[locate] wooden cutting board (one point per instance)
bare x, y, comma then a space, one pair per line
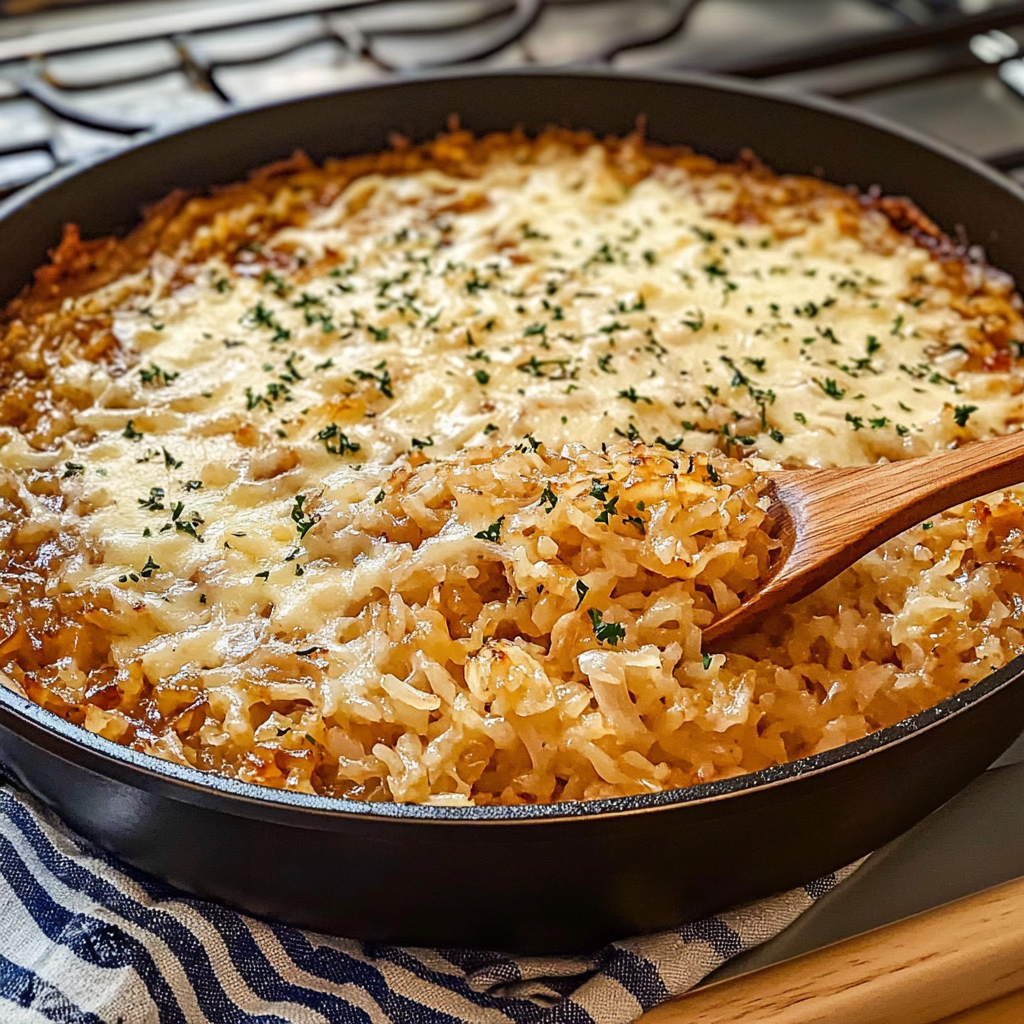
962, 963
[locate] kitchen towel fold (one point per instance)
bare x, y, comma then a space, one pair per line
86, 940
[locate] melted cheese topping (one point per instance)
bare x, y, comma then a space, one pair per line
550, 298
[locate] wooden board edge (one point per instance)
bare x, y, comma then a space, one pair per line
916, 971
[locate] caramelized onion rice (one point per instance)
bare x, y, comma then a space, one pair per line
416, 476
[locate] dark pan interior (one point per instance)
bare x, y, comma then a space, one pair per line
553, 878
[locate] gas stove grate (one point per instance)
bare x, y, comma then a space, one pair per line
71, 92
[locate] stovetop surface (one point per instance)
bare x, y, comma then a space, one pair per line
77, 81
82, 79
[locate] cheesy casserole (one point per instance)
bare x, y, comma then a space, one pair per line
415, 476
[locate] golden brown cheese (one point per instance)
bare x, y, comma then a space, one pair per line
177, 407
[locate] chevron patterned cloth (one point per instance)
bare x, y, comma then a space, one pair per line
86, 940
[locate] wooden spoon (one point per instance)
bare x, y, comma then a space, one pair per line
828, 518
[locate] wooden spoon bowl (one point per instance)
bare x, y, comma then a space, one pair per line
828, 518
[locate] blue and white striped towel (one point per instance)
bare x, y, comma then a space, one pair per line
86, 940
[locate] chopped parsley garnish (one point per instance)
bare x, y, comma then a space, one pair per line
281, 286
73, 469
672, 446
131, 433
581, 591
548, 499
379, 497
427, 442
382, 379
605, 632
538, 367
831, 388
155, 500
302, 521
335, 441
193, 485
694, 321
493, 532
482, 376
260, 316
630, 394
607, 510
291, 374
476, 283
190, 525
149, 568
157, 375
265, 575
962, 413
170, 461
252, 400
325, 320
706, 661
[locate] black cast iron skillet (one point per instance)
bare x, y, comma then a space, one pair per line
551, 878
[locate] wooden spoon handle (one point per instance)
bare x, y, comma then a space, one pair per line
827, 519
864, 506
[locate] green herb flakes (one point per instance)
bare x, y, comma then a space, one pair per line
336, 441
962, 413
605, 632
493, 532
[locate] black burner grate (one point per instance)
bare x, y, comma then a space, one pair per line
71, 91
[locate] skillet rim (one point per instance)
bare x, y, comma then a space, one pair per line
194, 786
249, 800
